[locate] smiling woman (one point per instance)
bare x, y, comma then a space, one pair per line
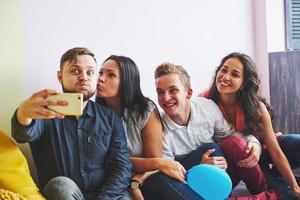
235, 89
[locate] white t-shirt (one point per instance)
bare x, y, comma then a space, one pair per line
205, 125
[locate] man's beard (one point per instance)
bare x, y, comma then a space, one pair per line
85, 96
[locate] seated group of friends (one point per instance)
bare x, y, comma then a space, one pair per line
122, 147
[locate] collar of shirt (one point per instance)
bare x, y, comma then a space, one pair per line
89, 110
173, 125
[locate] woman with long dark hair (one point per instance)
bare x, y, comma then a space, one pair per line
118, 88
235, 89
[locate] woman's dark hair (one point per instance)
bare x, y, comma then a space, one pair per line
248, 95
131, 94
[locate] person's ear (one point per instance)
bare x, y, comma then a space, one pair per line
189, 93
59, 76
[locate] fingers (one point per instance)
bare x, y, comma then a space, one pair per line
179, 172
219, 161
37, 106
175, 170
45, 93
181, 178
248, 148
55, 103
208, 152
183, 171
46, 113
216, 160
248, 162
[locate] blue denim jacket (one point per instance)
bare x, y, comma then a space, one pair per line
91, 150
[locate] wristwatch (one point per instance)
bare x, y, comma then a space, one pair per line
135, 184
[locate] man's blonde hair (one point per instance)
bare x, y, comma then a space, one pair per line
170, 68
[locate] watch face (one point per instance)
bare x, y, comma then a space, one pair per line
134, 185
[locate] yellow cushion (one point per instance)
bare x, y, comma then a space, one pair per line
15, 174
8, 195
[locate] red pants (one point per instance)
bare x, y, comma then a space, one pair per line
233, 148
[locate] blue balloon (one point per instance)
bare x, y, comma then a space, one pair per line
210, 182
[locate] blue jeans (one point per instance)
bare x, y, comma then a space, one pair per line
162, 187
62, 188
290, 145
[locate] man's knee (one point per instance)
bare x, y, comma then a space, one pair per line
218, 150
62, 188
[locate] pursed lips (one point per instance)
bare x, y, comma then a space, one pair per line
100, 87
83, 85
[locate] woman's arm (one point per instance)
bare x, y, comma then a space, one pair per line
152, 136
275, 151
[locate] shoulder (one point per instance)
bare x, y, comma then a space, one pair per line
99, 107
150, 105
102, 111
204, 94
149, 108
263, 110
139, 119
201, 107
201, 102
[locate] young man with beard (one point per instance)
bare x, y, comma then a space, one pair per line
77, 157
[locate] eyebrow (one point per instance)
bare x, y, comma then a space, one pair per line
77, 66
171, 87
235, 70
238, 71
108, 70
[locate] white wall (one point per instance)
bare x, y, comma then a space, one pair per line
195, 34
261, 45
12, 78
269, 36
275, 25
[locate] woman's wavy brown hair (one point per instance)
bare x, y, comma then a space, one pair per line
248, 95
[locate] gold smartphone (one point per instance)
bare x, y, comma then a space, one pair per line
75, 103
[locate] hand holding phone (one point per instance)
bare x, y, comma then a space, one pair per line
74, 106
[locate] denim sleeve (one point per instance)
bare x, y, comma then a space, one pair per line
118, 164
24, 134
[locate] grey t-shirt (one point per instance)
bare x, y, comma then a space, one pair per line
133, 126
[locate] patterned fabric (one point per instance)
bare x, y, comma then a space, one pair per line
8, 195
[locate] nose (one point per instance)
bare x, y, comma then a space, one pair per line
101, 78
166, 96
83, 76
226, 76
